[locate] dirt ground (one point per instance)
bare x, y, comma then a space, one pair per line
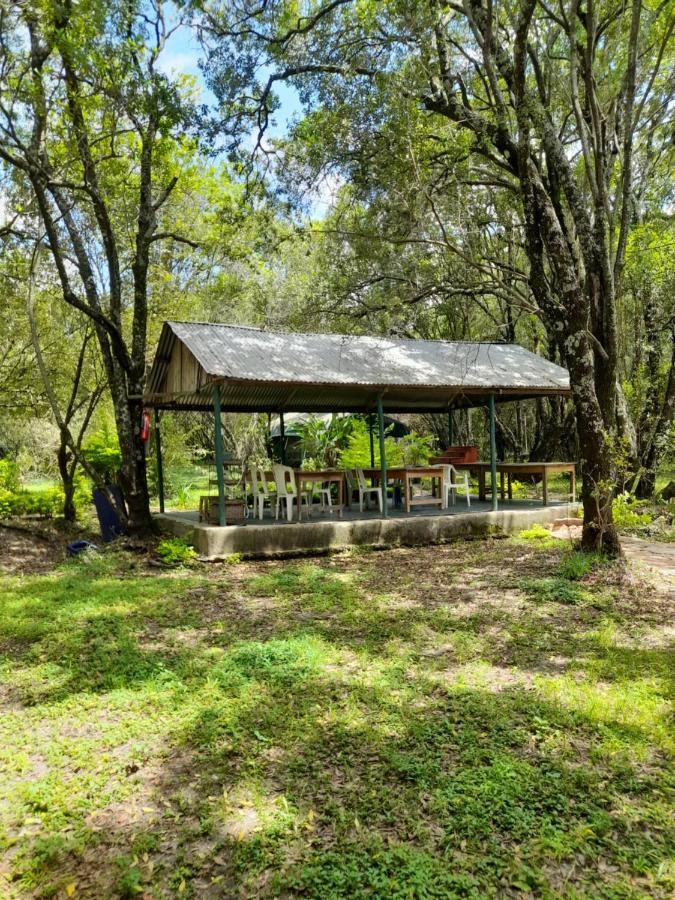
24, 551
32, 550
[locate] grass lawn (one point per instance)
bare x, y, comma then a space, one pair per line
479, 719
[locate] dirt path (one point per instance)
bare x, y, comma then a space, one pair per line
658, 557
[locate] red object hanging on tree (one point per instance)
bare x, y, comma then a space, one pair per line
145, 425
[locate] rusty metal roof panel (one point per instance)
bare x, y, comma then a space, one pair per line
254, 355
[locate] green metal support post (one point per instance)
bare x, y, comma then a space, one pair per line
219, 455
282, 433
383, 456
451, 430
493, 450
160, 466
372, 442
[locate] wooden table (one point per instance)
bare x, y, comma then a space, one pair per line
528, 468
321, 476
406, 475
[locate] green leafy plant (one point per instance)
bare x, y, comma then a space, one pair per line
555, 590
577, 564
183, 497
102, 452
518, 489
9, 475
356, 454
625, 512
44, 503
536, 533
324, 441
416, 448
175, 551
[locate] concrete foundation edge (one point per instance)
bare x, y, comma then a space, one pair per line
256, 541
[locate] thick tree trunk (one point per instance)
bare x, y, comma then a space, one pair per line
133, 472
599, 533
646, 485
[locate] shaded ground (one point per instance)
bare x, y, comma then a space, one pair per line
479, 719
23, 551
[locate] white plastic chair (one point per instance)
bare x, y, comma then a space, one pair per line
325, 498
365, 490
351, 485
284, 478
260, 491
451, 485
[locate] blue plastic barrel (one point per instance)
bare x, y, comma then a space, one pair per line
111, 527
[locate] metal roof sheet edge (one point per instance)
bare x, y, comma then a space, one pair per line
384, 337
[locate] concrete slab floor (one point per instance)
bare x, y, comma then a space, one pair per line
424, 525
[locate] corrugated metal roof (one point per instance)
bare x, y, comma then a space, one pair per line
228, 351
289, 370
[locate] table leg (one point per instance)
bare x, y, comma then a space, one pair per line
501, 485
407, 488
573, 485
340, 495
510, 486
481, 484
545, 486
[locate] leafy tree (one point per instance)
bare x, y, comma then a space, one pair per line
555, 100
91, 131
649, 345
70, 380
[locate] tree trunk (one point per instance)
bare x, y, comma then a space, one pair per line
599, 533
133, 471
646, 485
67, 474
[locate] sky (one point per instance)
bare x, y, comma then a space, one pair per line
182, 55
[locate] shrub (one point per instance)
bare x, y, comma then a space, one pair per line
46, 503
175, 551
9, 475
518, 489
356, 454
102, 452
625, 514
536, 533
416, 448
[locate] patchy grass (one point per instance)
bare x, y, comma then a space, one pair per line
482, 719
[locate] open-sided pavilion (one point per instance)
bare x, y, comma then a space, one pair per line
229, 368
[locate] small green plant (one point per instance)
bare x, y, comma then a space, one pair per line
518, 489
234, 559
130, 879
183, 498
536, 533
175, 551
625, 514
576, 565
555, 590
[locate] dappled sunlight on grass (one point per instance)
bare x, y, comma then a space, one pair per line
459, 721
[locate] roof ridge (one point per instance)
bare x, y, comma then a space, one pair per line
341, 334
